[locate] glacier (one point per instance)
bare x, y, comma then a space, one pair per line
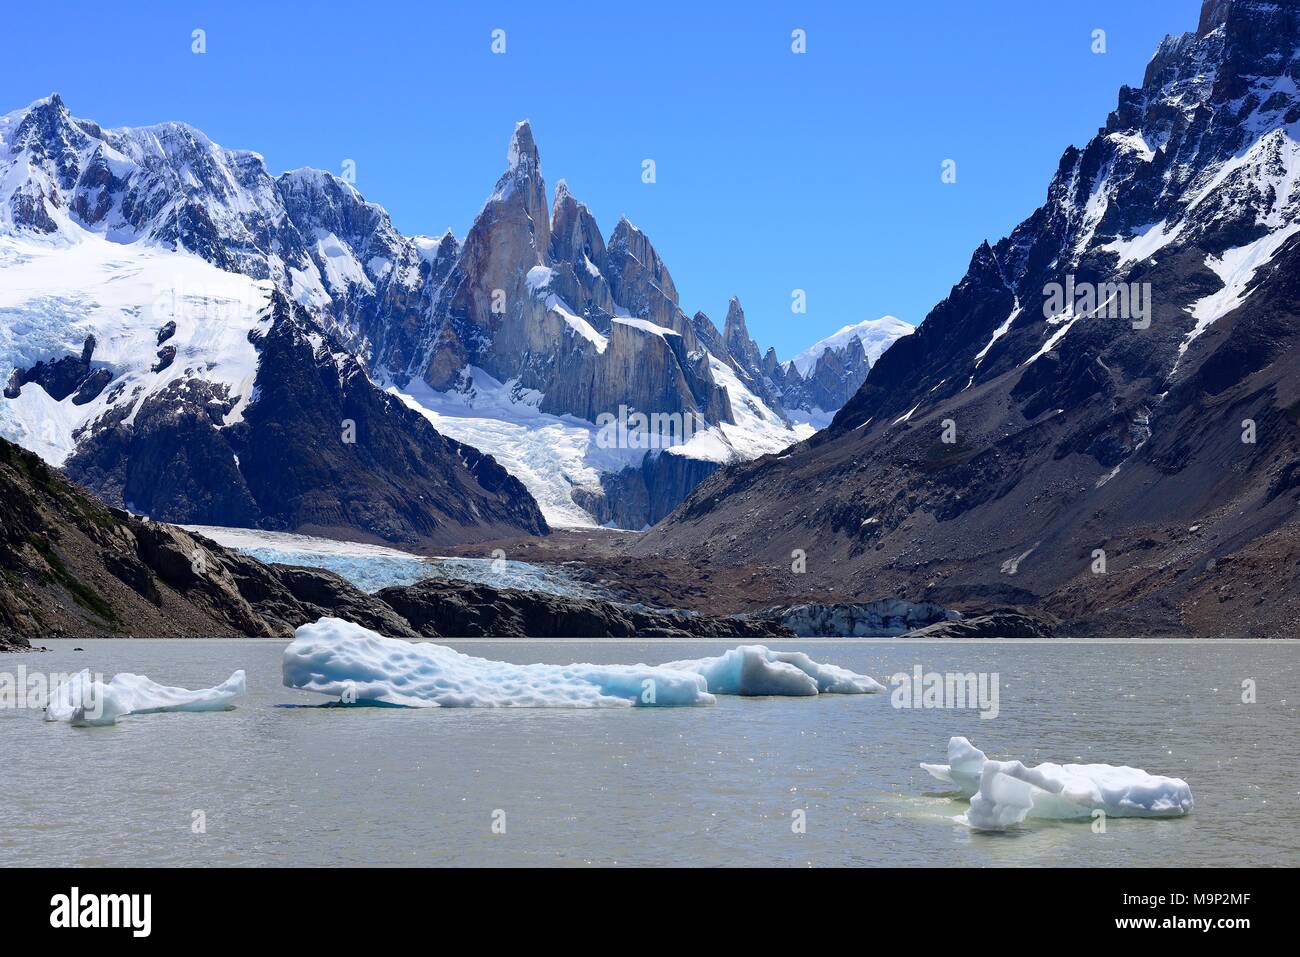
1003, 793
372, 567
54, 296
86, 701
754, 670
336, 657
552, 454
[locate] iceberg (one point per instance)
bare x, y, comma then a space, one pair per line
85, 701
757, 670
337, 657
1003, 793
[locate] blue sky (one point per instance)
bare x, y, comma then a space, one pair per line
775, 171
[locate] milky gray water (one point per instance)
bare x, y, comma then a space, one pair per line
701, 786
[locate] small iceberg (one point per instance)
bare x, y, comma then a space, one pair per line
336, 657
85, 701
757, 670
1003, 793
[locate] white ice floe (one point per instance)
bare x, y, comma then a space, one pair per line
1003, 793
756, 670
84, 700
336, 657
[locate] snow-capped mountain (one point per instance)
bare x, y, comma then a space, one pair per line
138, 263
1113, 386
542, 327
155, 355
819, 380
874, 335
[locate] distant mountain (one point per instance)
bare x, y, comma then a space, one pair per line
1102, 417
874, 335
139, 266
827, 374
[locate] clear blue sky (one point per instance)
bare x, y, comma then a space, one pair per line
775, 171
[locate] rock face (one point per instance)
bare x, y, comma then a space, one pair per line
641, 495
587, 327
12, 642
995, 625
319, 448
72, 567
1100, 420
438, 609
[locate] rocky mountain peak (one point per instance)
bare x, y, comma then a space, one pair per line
522, 182
737, 337
521, 156
639, 262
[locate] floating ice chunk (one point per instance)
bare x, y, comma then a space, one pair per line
336, 657
757, 670
965, 762
83, 700
1003, 793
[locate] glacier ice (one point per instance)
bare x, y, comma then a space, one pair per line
84, 700
55, 293
372, 567
337, 657
757, 670
551, 454
1003, 793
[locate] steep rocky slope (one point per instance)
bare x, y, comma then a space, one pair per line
72, 567
1101, 418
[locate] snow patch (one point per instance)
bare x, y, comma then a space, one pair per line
999, 332
1236, 269
578, 324
1144, 243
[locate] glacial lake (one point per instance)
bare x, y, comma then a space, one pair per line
284, 785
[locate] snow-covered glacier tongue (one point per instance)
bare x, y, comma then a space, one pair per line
336, 657
1003, 793
86, 701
